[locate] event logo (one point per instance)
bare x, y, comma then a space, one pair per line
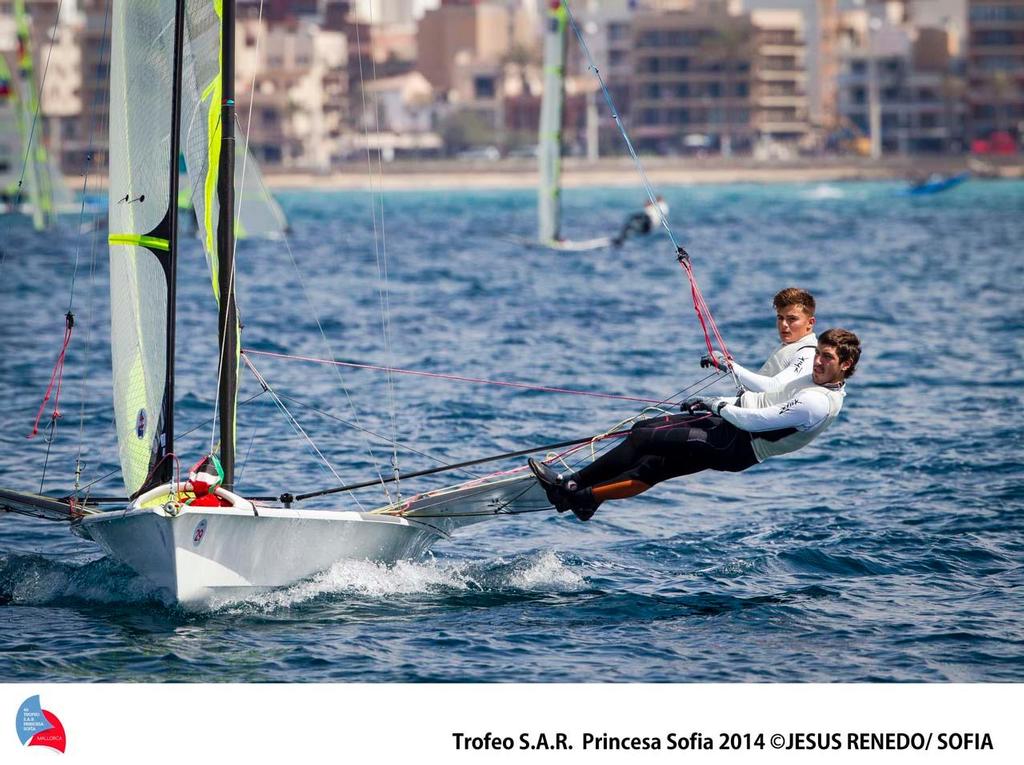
39, 727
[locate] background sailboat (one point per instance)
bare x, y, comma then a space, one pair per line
549, 154
29, 180
258, 213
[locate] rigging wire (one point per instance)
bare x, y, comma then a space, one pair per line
91, 304
700, 306
302, 282
370, 432
295, 424
56, 377
622, 129
574, 444
380, 251
305, 289
457, 378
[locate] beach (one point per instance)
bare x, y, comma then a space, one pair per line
621, 172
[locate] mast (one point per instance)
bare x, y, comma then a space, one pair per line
228, 317
166, 472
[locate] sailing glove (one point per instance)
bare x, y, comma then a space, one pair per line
714, 359
696, 404
699, 404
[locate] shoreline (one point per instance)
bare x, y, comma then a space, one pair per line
622, 173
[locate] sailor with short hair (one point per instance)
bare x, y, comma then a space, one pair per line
794, 319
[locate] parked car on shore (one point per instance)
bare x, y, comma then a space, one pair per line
488, 153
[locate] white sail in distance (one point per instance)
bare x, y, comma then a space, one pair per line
10, 135
258, 213
39, 174
549, 152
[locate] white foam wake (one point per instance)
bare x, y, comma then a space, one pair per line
543, 571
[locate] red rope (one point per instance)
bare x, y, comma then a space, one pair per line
56, 377
703, 312
458, 378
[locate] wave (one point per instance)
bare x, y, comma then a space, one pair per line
38, 580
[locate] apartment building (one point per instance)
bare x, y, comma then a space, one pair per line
780, 77
995, 68
292, 79
917, 85
693, 79
466, 33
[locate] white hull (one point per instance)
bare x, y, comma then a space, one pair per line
207, 554
562, 245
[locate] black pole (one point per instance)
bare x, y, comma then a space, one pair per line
166, 470
444, 468
228, 318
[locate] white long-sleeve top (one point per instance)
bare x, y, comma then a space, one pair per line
656, 212
787, 363
788, 418
784, 353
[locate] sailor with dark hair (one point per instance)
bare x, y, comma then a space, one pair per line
729, 434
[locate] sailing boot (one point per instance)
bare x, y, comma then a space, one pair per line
583, 503
553, 483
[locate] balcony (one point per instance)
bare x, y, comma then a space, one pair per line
796, 50
781, 101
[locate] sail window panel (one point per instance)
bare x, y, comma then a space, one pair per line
138, 339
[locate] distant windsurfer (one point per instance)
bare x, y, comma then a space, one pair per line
728, 434
643, 222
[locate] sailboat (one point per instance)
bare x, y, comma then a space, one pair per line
935, 183
29, 181
200, 540
549, 151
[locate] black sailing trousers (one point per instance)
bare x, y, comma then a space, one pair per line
671, 446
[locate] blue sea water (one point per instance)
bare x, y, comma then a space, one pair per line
889, 550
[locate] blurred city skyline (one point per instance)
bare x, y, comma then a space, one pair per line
327, 80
